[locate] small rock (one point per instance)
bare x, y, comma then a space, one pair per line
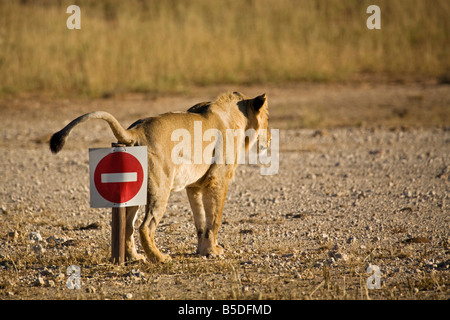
136, 273
399, 269
336, 255
318, 264
341, 256
39, 248
408, 194
35, 236
70, 242
128, 296
13, 235
90, 289
444, 264
320, 133
375, 152
56, 240
376, 239
406, 210
443, 173
47, 272
351, 239
311, 176
416, 240
50, 283
39, 282
60, 277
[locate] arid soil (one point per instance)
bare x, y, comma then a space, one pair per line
363, 180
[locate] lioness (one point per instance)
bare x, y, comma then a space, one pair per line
206, 183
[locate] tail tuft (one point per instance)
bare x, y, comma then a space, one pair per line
57, 142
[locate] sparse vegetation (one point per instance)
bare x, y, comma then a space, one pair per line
308, 235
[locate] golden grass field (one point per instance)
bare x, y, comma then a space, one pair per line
170, 46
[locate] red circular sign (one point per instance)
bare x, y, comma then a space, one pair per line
118, 177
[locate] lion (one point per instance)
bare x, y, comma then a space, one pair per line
206, 183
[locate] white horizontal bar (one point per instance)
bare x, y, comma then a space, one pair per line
119, 177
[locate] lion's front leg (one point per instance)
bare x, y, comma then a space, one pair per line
213, 202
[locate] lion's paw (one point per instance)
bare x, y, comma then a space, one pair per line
215, 250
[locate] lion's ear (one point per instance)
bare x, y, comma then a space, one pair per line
259, 102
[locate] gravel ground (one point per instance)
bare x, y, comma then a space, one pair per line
343, 199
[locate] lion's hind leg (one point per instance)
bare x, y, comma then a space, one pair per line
196, 201
130, 246
154, 211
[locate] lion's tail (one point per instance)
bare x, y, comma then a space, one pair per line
59, 138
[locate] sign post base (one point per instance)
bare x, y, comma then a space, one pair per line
118, 225
118, 235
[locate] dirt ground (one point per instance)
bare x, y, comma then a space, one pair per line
363, 180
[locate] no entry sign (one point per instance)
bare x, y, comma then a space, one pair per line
118, 176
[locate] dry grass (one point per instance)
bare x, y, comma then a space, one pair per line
143, 46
